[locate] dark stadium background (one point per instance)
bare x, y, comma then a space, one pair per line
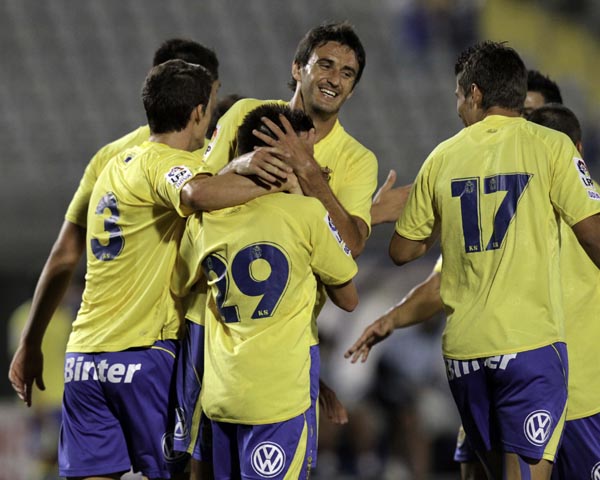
71, 73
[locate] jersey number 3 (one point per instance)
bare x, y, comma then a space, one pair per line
270, 288
112, 249
468, 190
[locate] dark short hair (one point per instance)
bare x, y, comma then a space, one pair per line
498, 72
558, 117
222, 106
189, 51
246, 140
537, 82
170, 93
341, 32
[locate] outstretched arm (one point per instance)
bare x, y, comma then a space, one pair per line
28, 363
420, 304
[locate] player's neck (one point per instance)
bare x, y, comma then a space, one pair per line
324, 122
180, 140
505, 112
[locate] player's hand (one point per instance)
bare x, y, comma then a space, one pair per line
263, 162
333, 409
298, 148
376, 332
292, 185
26, 368
388, 202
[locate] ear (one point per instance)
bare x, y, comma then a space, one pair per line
296, 71
198, 113
579, 146
476, 95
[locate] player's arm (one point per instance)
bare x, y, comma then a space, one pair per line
331, 406
344, 296
27, 363
402, 250
262, 162
205, 192
297, 152
420, 304
587, 232
389, 201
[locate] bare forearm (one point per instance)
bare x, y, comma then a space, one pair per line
419, 305
354, 231
204, 193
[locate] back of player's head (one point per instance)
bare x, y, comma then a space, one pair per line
537, 82
189, 51
498, 72
558, 117
170, 93
340, 32
246, 140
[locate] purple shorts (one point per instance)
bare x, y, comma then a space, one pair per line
464, 453
118, 412
312, 414
579, 454
273, 450
192, 428
514, 402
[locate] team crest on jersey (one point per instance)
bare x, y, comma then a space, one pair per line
178, 175
537, 427
268, 459
333, 229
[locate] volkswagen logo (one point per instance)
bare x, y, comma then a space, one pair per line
268, 459
167, 447
596, 472
537, 427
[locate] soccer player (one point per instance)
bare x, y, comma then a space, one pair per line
540, 90
501, 284
259, 362
121, 353
327, 66
424, 301
27, 363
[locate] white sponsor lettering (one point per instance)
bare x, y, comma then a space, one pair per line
537, 427
458, 368
336, 234
268, 459
76, 370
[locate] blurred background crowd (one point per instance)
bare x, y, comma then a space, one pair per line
70, 82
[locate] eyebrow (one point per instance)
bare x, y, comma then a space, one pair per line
330, 61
